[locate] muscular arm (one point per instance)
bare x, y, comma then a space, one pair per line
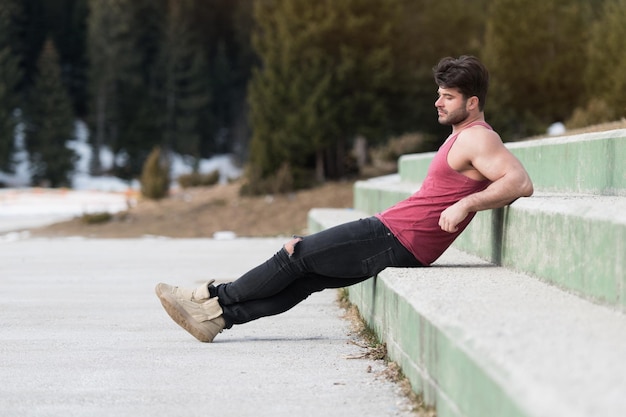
483, 155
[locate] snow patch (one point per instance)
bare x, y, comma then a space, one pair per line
23, 207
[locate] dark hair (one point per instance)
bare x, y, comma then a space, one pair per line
467, 74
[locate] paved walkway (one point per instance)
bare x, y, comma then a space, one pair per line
82, 334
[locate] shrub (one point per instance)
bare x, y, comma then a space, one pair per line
155, 177
405, 144
196, 179
596, 112
96, 218
283, 181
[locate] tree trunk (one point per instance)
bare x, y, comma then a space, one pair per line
319, 166
340, 162
95, 163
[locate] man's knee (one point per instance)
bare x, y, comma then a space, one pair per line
290, 246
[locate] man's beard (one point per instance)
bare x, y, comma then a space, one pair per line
454, 118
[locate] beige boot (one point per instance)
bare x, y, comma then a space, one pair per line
202, 319
199, 295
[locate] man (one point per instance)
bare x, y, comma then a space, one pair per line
472, 171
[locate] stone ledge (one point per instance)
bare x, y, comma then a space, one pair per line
576, 241
480, 340
590, 163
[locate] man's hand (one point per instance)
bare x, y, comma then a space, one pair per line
452, 216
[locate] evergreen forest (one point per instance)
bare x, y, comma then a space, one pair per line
289, 85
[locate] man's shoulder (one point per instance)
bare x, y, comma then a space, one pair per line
478, 133
478, 141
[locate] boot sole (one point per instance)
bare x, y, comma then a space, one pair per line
184, 319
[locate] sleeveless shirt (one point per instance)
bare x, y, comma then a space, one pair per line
415, 220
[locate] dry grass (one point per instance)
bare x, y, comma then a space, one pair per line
372, 349
203, 211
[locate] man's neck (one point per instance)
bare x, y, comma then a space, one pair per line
479, 117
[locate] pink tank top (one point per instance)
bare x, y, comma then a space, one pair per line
415, 221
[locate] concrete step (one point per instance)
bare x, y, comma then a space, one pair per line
481, 340
592, 163
577, 242
376, 194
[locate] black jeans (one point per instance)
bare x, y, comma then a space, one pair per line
334, 258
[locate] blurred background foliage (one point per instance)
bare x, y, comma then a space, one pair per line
289, 85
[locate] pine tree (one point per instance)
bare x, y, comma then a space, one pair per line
605, 74
421, 44
329, 72
368, 73
222, 30
153, 68
10, 77
186, 87
121, 49
223, 81
106, 29
65, 21
50, 123
533, 51
230, 106
277, 88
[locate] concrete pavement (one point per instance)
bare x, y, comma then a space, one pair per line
82, 334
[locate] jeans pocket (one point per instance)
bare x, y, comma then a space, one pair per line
374, 264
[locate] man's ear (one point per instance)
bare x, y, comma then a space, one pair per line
472, 103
